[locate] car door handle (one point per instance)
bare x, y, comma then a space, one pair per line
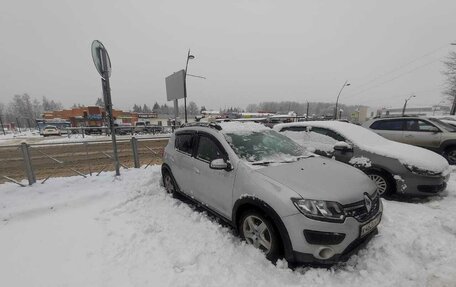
197, 171
409, 136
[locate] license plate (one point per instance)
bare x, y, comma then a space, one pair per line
368, 227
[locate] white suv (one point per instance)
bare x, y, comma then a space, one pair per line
281, 199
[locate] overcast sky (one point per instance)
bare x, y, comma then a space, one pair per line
250, 51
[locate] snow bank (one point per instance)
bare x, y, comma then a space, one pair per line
102, 231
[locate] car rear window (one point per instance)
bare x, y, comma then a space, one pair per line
184, 143
389, 125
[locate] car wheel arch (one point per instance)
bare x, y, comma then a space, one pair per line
250, 202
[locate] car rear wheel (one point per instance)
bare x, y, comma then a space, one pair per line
382, 181
169, 183
258, 230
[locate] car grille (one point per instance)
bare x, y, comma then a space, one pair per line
359, 211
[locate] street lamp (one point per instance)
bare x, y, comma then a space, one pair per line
346, 84
189, 57
405, 104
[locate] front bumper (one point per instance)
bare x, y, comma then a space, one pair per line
420, 185
305, 252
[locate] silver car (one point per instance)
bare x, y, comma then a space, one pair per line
281, 199
394, 167
430, 133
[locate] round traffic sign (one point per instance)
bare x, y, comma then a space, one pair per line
97, 50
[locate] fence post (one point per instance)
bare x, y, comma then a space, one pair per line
134, 148
28, 163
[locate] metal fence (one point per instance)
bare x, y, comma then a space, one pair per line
39, 162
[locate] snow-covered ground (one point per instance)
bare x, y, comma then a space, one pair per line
102, 231
36, 138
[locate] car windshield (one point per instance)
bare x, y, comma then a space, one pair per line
263, 147
446, 126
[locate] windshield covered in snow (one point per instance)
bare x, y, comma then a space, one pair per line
265, 146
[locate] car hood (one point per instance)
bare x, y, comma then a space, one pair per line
321, 179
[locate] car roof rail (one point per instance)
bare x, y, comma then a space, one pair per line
205, 125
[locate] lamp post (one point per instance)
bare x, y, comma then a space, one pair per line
405, 104
346, 84
189, 56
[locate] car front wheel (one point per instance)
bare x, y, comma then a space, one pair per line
257, 230
169, 183
382, 181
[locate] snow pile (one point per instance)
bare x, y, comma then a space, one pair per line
242, 127
372, 142
313, 141
360, 162
102, 231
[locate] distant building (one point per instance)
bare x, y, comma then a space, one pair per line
419, 111
92, 116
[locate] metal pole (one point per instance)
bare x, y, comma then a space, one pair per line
1, 124
134, 149
337, 101
108, 105
405, 105
185, 86
307, 112
28, 163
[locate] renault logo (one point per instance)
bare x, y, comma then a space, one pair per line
367, 202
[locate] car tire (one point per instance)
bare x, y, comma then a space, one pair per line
385, 186
169, 183
258, 230
450, 154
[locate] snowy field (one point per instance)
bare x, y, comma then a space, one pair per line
103, 231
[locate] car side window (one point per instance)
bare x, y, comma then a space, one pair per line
416, 125
208, 150
184, 143
388, 125
329, 133
294, 129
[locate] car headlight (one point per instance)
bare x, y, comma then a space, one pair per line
419, 171
320, 209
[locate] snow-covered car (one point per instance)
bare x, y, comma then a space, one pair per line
50, 131
394, 167
283, 200
430, 133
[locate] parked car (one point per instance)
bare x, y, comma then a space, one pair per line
394, 167
429, 133
50, 131
283, 200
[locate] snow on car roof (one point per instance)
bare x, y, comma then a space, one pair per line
242, 127
372, 142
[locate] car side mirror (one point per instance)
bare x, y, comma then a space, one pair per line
308, 129
343, 147
220, 163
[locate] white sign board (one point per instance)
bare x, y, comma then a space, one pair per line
175, 88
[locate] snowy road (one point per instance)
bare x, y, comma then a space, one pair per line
127, 232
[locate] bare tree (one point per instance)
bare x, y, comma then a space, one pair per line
192, 108
450, 83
